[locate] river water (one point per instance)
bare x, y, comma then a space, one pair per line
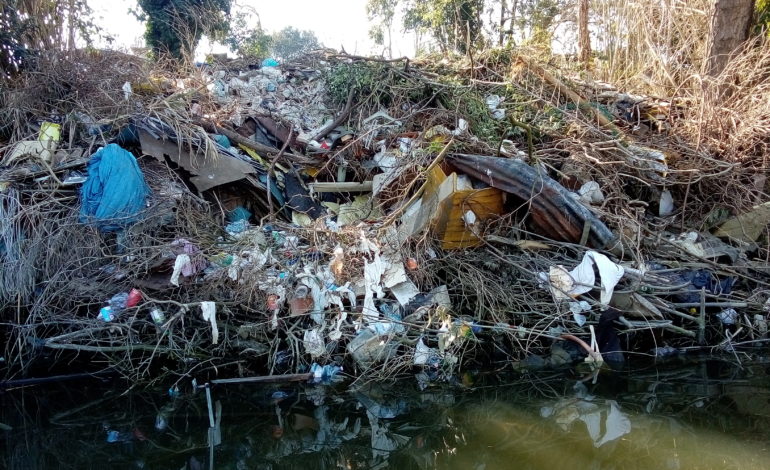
687, 414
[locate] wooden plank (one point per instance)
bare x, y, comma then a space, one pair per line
265, 379
344, 187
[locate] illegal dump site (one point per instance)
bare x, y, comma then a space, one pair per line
383, 218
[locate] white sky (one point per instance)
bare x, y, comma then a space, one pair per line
336, 23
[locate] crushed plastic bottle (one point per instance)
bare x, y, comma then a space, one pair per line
118, 302
106, 314
158, 317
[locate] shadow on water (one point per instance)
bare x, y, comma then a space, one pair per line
707, 414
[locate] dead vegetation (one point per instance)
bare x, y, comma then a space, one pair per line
290, 284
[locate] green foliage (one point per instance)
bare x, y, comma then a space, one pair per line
762, 17
31, 26
174, 27
290, 43
380, 85
248, 41
538, 17
363, 77
454, 24
473, 106
383, 10
13, 28
251, 41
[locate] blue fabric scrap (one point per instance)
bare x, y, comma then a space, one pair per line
115, 191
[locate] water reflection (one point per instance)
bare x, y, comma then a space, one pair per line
704, 415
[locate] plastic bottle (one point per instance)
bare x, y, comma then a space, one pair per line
106, 314
134, 297
158, 317
118, 301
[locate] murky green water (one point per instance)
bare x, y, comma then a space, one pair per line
697, 415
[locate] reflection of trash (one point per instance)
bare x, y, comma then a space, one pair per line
163, 416
209, 314
760, 324
665, 351
384, 441
604, 422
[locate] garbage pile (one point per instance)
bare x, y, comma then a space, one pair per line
385, 217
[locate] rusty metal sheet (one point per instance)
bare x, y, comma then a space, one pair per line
555, 213
278, 129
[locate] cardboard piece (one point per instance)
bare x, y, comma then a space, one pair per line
208, 171
447, 203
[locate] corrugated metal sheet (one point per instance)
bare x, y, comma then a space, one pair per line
555, 213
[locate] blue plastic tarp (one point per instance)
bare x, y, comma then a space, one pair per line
270, 62
115, 191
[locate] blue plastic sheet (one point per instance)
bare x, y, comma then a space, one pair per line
239, 213
115, 191
270, 62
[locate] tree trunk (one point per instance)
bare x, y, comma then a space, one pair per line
584, 38
503, 8
71, 25
730, 27
514, 7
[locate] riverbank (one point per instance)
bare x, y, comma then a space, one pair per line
382, 218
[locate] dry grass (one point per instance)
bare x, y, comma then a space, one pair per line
63, 271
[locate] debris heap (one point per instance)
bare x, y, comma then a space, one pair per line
382, 216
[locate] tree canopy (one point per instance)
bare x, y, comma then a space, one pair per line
456, 25
30, 26
174, 27
252, 41
290, 42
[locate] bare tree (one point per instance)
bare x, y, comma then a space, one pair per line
730, 27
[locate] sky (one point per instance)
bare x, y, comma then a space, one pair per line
336, 23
